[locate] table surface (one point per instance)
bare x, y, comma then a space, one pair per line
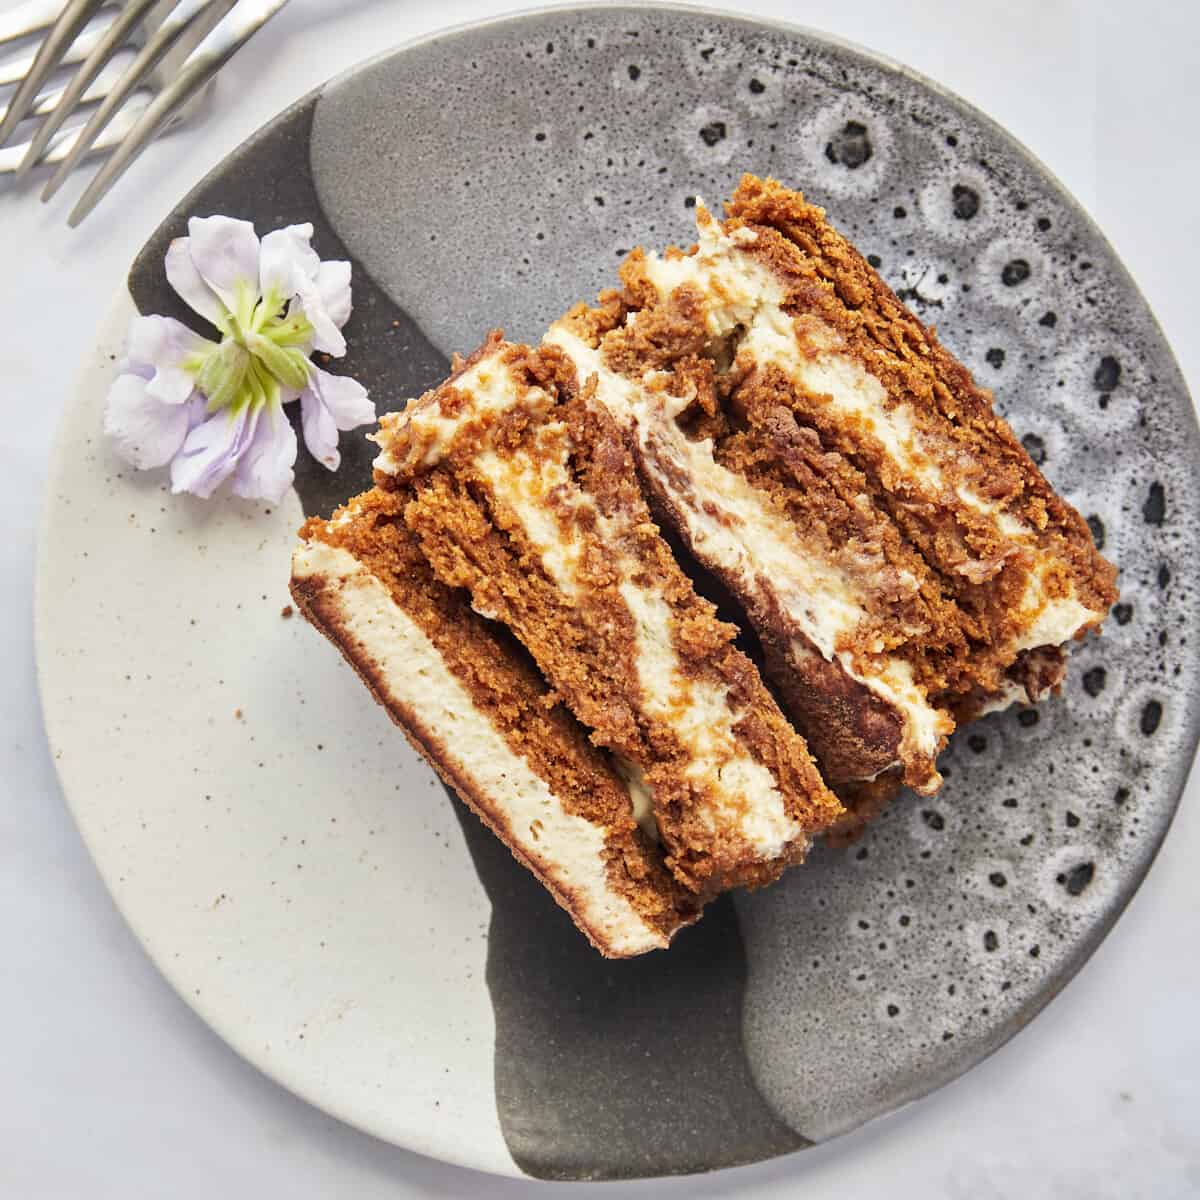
113, 1088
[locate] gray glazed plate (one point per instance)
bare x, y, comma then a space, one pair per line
301, 878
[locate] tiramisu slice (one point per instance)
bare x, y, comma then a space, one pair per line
474, 705
525, 495
902, 560
505, 592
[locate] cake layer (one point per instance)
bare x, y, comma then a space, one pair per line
901, 558
809, 586
879, 387
526, 495
476, 708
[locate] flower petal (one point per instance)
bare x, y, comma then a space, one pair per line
327, 337
197, 411
210, 452
286, 260
264, 472
346, 398
166, 346
330, 403
333, 283
225, 252
146, 432
320, 430
188, 283
332, 301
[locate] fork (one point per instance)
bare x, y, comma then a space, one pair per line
179, 46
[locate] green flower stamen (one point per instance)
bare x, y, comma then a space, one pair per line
264, 348
290, 367
223, 375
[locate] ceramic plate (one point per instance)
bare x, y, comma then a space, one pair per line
302, 878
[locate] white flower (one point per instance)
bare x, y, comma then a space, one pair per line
213, 410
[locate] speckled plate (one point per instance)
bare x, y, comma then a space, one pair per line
301, 877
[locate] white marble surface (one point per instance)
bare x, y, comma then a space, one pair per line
110, 1087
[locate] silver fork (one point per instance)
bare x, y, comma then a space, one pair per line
178, 47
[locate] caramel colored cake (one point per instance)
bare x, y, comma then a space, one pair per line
506, 591
471, 702
902, 560
526, 497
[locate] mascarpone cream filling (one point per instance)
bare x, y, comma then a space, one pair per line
492, 390
698, 710
739, 290
523, 484
733, 527
743, 790
569, 850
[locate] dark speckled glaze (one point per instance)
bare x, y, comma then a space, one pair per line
494, 175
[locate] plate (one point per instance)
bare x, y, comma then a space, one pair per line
303, 880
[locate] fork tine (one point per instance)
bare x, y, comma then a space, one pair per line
14, 69
95, 91
125, 120
147, 128
75, 16
164, 38
113, 37
233, 31
28, 18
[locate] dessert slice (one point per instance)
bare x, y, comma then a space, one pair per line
904, 563
525, 494
1019, 561
473, 704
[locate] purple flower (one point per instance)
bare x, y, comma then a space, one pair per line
213, 410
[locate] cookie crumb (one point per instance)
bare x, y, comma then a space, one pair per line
286, 611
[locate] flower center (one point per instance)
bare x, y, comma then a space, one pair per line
264, 348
